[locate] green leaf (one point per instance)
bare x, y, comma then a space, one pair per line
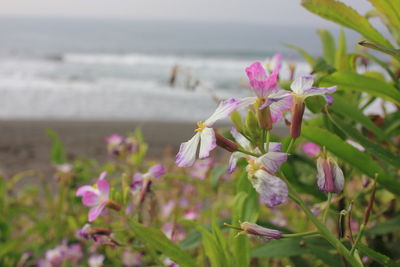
387, 50
342, 62
390, 9
304, 53
346, 16
370, 147
288, 247
341, 106
328, 45
358, 82
351, 155
57, 148
376, 256
160, 242
213, 249
385, 227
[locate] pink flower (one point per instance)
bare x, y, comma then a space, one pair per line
267, 94
205, 135
190, 214
260, 83
311, 149
114, 139
96, 196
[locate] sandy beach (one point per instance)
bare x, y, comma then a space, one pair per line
24, 145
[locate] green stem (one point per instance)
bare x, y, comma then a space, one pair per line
290, 145
301, 234
358, 238
267, 140
324, 231
263, 137
248, 153
328, 204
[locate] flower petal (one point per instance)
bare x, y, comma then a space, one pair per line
187, 152
90, 199
301, 84
338, 178
156, 171
96, 211
247, 101
240, 139
233, 160
273, 191
277, 107
85, 188
103, 185
274, 147
271, 161
261, 84
208, 142
319, 91
224, 109
320, 175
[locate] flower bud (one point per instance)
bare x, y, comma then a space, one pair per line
263, 115
254, 229
330, 176
225, 142
297, 117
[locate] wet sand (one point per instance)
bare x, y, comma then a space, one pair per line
24, 145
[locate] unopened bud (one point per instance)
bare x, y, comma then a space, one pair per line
257, 230
263, 115
330, 176
297, 117
225, 142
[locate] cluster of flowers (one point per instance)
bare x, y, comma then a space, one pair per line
120, 146
264, 158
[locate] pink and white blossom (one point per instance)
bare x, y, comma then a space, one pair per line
271, 161
266, 90
96, 196
302, 87
311, 149
205, 135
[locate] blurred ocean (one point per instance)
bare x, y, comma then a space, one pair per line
80, 69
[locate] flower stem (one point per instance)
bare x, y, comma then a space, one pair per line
290, 145
248, 153
267, 140
328, 204
358, 238
301, 234
324, 231
263, 137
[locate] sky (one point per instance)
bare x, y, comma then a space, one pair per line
287, 12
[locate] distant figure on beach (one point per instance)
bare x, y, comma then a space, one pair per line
172, 76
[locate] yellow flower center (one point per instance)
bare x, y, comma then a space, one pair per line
201, 126
94, 186
252, 167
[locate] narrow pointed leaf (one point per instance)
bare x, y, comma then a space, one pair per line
362, 83
346, 16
